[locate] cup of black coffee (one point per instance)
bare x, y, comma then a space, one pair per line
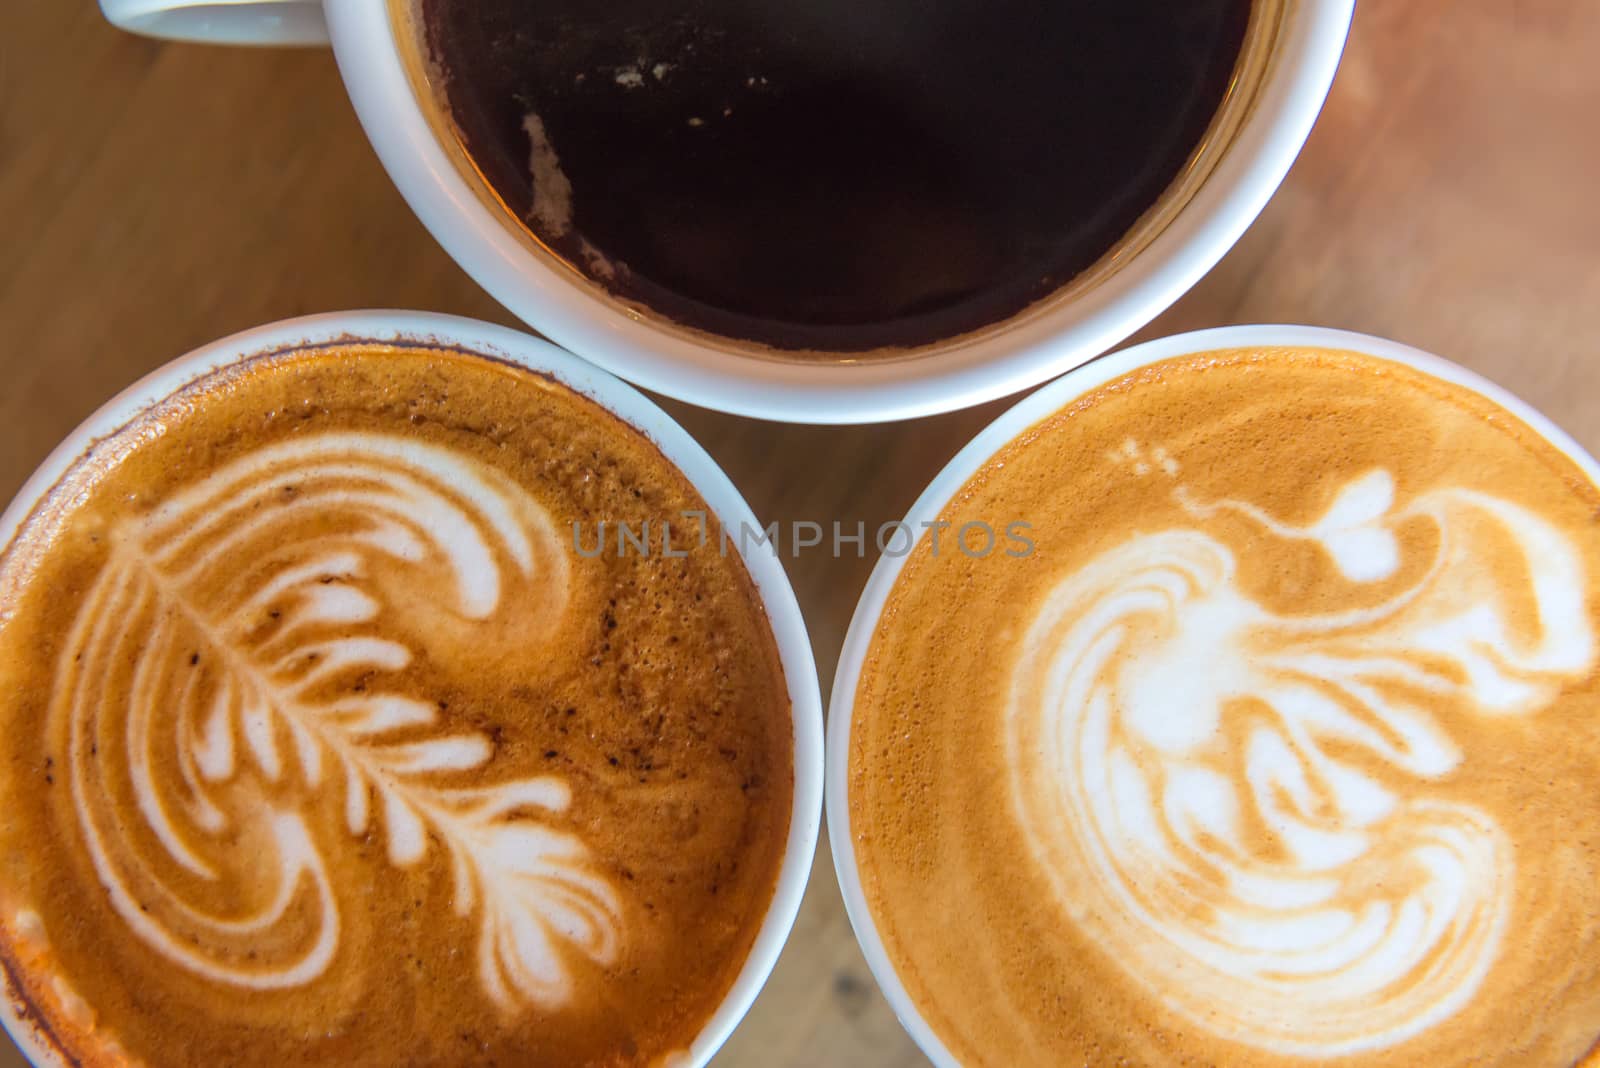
824, 212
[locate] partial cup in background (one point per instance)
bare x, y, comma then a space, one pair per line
1287, 65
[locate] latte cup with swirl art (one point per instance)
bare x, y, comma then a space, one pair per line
324, 744
1275, 743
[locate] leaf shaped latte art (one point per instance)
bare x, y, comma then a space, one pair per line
230, 660
1243, 808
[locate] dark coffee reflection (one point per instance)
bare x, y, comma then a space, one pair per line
833, 174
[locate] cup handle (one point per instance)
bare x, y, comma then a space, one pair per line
238, 22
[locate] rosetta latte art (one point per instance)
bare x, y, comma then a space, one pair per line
1247, 810
229, 659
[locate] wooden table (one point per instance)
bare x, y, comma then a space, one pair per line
154, 197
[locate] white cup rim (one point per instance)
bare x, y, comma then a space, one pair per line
1035, 349
632, 407
1004, 429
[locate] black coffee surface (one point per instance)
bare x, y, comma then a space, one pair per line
835, 175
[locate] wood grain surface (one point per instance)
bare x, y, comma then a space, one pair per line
154, 197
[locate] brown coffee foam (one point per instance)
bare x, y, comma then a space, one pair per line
974, 922
655, 697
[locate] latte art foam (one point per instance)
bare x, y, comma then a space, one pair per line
1279, 751
173, 649
321, 747
1141, 758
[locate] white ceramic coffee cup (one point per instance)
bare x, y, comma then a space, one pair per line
1036, 407
1039, 343
788, 628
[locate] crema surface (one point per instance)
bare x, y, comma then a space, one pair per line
321, 744
1279, 748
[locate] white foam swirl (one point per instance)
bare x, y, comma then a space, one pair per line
1248, 810
232, 663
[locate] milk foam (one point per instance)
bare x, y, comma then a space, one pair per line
223, 638
1244, 808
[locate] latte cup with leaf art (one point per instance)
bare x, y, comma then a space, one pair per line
323, 745
1279, 746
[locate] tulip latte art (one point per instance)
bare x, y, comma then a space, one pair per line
1282, 750
352, 760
